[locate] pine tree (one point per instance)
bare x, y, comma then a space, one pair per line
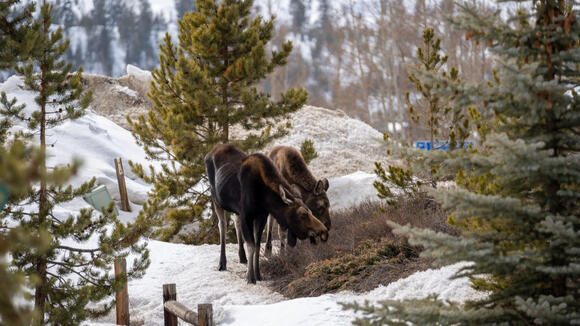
17, 164
204, 86
99, 48
66, 277
441, 119
15, 39
308, 151
298, 12
526, 254
18, 172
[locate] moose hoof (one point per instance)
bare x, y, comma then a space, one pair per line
243, 260
222, 267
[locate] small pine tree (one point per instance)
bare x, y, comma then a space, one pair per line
437, 112
526, 252
204, 86
395, 177
308, 151
65, 277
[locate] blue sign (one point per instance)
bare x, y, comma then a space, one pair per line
439, 145
3, 196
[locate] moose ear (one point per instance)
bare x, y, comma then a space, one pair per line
296, 190
321, 185
283, 195
325, 182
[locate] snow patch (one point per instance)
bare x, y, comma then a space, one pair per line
127, 91
349, 190
143, 76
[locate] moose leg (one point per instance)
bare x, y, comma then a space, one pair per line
259, 224
251, 270
222, 226
269, 229
241, 251
248, 233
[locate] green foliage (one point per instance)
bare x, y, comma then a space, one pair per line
518, 195
204, 86
18, 171
442, 119
396, 177
66, 277
308, 151
17, 33
339, 272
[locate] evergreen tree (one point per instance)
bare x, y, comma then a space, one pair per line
204, 86
99, 49
145, 29
18, 171
298, 12
15, 39
441, 119
65, 277
526, 250
308, 151
18, 167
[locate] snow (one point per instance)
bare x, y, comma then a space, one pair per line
126, 90
143, 76
94, 139
352, 189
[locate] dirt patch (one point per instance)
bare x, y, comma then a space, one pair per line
117, 98
361, 253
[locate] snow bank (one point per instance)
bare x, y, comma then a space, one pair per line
144, 76
352, 189
94, 139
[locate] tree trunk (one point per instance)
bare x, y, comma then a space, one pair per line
40, 291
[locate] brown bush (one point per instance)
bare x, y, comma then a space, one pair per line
361, 252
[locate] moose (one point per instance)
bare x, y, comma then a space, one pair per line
294, 170
251, 187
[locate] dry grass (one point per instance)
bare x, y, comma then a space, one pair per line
360, 254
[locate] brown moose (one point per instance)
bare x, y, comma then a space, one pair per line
293, 168
251, 187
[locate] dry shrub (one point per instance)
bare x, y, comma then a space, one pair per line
361, 252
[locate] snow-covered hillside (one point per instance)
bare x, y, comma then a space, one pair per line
98, 140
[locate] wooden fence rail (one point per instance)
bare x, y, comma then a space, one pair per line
172, 309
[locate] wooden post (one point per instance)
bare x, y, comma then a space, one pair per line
122, 297
169, 294
122, 186
205, 314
